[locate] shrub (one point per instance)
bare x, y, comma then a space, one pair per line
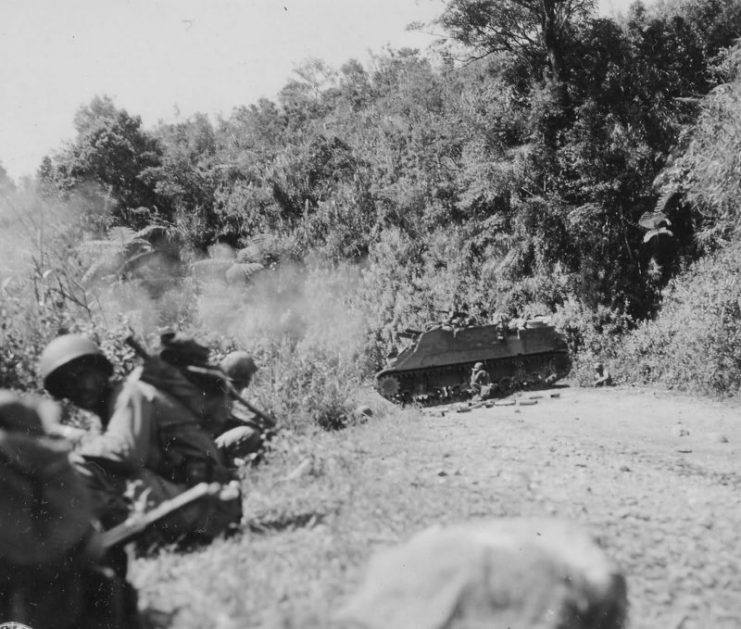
592, 335
307, 330
695, 342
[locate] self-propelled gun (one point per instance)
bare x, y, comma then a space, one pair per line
437, 363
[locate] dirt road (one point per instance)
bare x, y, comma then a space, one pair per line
656, 476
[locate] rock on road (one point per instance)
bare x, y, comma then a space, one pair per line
653, 475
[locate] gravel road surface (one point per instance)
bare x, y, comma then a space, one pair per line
654, 475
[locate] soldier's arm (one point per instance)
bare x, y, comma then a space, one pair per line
128, 437
72, 434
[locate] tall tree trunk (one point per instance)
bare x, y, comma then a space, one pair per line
554, 51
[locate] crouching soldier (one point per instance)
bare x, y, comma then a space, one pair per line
213, 393
152, 447
602, 377
245, 431
51, 574
480, 382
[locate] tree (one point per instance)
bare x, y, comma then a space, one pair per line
6, 183
187, 176
534, 30
112, 150
716, 22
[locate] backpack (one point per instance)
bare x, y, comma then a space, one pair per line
181, 368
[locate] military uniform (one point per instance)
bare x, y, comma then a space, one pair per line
240, 436
51, 575
480, 380
234, 429
602, 377
152, 447
153, 443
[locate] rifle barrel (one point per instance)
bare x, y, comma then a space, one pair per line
136, 524
269, 420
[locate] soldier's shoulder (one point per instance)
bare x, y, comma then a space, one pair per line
132, 388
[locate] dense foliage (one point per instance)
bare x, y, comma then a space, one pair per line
696, 343
514, 181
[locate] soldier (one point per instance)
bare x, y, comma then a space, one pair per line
460, 319
501, 320
480, 380
51, 573
602, 377
240, 367
241, 436
152, 445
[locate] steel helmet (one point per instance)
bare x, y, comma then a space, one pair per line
239, 366
478, 366
64, 350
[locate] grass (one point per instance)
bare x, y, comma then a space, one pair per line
311, 516
314, 514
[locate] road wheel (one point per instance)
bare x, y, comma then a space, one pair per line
388, 387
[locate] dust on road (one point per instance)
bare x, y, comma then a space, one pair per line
654, 475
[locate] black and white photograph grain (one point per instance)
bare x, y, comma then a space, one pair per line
370, 314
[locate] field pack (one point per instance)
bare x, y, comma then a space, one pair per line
181, 368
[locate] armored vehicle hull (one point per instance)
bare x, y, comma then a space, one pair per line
437, 365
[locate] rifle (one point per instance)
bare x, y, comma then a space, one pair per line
267, 420
136, 524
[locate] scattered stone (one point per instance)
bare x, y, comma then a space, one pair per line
364, 411
681, 432
624, 468
717, 437
442, 473
302, 469
543, 573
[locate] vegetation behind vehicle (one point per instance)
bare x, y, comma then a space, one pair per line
372, 196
